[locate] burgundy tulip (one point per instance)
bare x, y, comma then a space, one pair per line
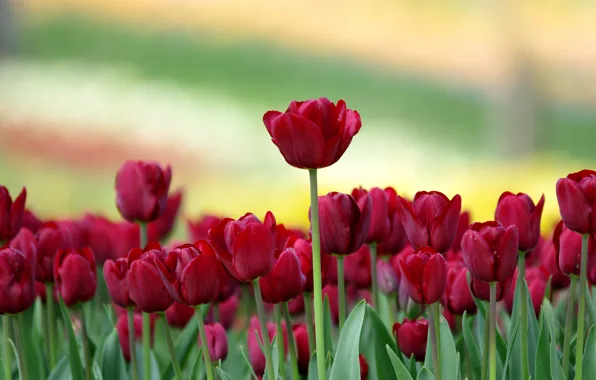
161, 228
122, 328
313, 134
462, 226
142, 190
227, 312
481, 289
178, 315
536, 278
285, 237
424, 273
17, 281
50, 239
255, 355
26, 243
245, 246
145, 285
379, 222
331, 293
40, 291
576, 195
11, 214
344, 227
303, 249
296, 305
77, 232
490, 251
568, 249
217, 342
302, 348
285, 281
548, 259
31, 221
411, 337
357, 268
457, 297
114, 273
75, 275
110, 240
519, 211
387, 278
397, 239
431, 219
199, 229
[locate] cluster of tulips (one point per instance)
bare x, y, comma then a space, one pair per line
380, 287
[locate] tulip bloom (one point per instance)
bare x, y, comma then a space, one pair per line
357, 268
199, 229
302, 348
178, 315
31, 221
217, 342
114, 273
50, 239
397, 239
458, 297
285, 281
379, 222
227, 312
481, 289
161, 227
313, 134
145, 285
245, 246
576, 195
548, 259
519, 211
462, 226
11, 214
344, 226
255, 354
424, 274
490, 251
536, 278
431, 220
142, 190
285, 237
387, 279
17, 281
76, 275
110, 240
122, 328
411, 337
568, 249
303, 249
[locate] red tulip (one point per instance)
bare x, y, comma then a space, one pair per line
313, 134
344, 227
17, 280
425, 274
122, 328
217, 342
536, 278
397, 239
379, 222
110, 240
490, 251
481, 289
178, 315
519, 211
77, 232
303, 249
25, 243
50, 239
363, 367
161, 228
227, 312
576, 195
462, 226
142, 190
11, 214
199, 229
255, 355
411, 337
114, 273
357, 267
296, 305
285, 237
285, 281
75, 274
302, 348
331, 292
458, 297
145, 285
31, 221
568, 249
545, 250
431, 219
387, 278
40, 291
450, 320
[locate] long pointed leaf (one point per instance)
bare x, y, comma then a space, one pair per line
401, 371
347, 365
589, 359
74, 358
471, 348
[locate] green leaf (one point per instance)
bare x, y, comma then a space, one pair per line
221, 374
555, 364
471, 348
413, 367
448, 353
347, 364
274, 358
328, 325
235, 365
195, 371
32, 345
16, 355
521, 292
543, 368
252, 371
61, 371
401, 372
153, 366
425, 374
313, 373
373, 340
590, 307
185, 344
589, 359
74, 359
111, 362
97, 372
513, 333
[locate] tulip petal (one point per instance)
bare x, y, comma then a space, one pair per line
364, 224
253, 252
444, 226
573, 205
334, 226
478, 255
411, 282
535, 222
199, 283
16, 212
507, 252
434, 279
168, 281
299, 140
417, 234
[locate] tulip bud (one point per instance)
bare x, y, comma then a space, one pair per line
17, 281
142, 190
490, 251
178, 315
411, 337
11, 214
576, 195
50, 239
397, 239
31, 221
519, 211
387, 278
245, 246
285, 281
313, 134
462, 226
199, 229
255, 355
302, 348
548, 259
458, 298
75, 274
114, 273
25, 243
122, 328
303, 249
536, 278
568, 249
217, 342
424, 274
357, 267
161, 228
379, 221
481, 289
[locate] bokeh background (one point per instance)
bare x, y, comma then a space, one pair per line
463, 96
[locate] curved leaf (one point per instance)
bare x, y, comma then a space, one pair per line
346, 365
521, 292
74, 359
111, 362
425, 374
401, 371
471, 348
61, 371
448, 353
589, 359
373, 340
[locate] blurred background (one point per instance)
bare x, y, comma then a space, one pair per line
463, 96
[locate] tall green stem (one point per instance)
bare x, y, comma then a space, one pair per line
434, 342
203, 335
341, 290
521, 276
86, 347
264, 332
317, 281
172, 350
18, 334
132, 344
281, 355
146, 317
291, 344
51, 324
373, 272
485, 354
437, 316
6, 349
569, 325
309, 325
493, 335
583, 276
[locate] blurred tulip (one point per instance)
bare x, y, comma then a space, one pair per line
17, 281
296, 305
397, 239
387, 279
548, 259
458, 298
284, 237
424, 273
217, 342
379, 221
285, 281
161, 228
122, 328
411, 337
481, 289
568, 249
303, 249
227, 312
11, 214
199, 229
31, 221
110, 240
462, 226
363, 367
255, 355
519, 211
114, 273
536, 278
302, 348
75, 275
357, 268
576, 195
331, 292
178, 315
50, 239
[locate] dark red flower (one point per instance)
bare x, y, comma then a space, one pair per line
519, 211
576, 195
142, 190
313, 134
77, 232
431, 219
75, 275
255, 355
50, 239
17, 280
245, 246
568, 249
490, 251
363, 367
217, 342
380, 223
424, 273
114, 273
40, 291
462, 226
411, 337
296, 305
285, 281
122, 328
162, 227
303, 249
285, 237
481, 289
457, 297
26, 243
387, 278
344, 227
199, 229
331, 293
548, 259
110, 240
11, 214
31, 221
145, 285
178, 315
302, 348
227, 312
536, 278
397, 239
357, 268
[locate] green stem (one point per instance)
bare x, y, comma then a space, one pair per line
583, 276
18, 334
6, 349
264, 332
437, 316
281, 355
521, 276
203, 335
51, 324
246, 303
373, 272
291, 344
309, 325
86, 347
132, 344
46, 331
485, 349
434, 342
493, 336
569, 325
143, 235
317, 281
341, 291
147, 346
172, 350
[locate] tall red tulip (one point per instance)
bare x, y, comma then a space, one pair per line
458, 297
114, 273
519, 210
357, 267
285, 281
411, 337
548, 259
217, 342
303, 249
431, 219
536, 278
313, 134
379, 222
178, 315
11, 214
424, 273
199, 228
50, 239
75, 275
17, 281
568, 249
576, 195
162, 227
397, 239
